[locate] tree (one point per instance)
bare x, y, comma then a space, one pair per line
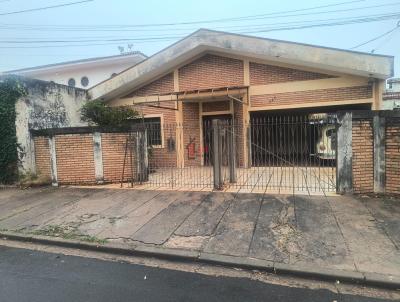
96, 112
10, 91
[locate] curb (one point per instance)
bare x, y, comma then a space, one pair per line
309, 272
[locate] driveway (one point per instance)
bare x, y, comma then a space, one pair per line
338, 232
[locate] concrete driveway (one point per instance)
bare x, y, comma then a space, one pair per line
340, 232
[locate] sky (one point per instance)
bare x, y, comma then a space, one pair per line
97, 27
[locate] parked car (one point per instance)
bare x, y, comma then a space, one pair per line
326, 145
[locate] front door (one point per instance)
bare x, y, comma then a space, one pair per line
208, 136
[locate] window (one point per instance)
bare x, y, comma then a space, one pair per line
71, 82
84, 81
154, 131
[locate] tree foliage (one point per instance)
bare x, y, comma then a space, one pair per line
10, 91
96, 112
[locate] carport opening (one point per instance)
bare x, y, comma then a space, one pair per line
304, 137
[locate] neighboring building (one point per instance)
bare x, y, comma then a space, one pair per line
391, 97
82, 73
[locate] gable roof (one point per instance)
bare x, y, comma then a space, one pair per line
203, 40
133, 57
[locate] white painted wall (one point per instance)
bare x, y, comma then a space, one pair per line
96, 70
95, 74
47, 105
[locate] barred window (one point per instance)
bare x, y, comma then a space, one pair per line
153, 127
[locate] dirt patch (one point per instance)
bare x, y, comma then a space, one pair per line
183, 242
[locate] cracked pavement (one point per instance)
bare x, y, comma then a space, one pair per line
339, 232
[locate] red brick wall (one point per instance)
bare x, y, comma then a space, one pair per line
393, 157
42, 156
211, 71
162, 85
363, 156
261, 74
216, 106
75, 162
312, 96
191, 133
163, 157
113, 151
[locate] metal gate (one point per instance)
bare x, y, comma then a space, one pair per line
277, 154
284, 154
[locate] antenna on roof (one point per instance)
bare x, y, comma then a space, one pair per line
126, 50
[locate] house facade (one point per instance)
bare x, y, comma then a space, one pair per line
272, 105
226, 76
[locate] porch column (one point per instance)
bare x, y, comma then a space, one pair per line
180, 154
246, 136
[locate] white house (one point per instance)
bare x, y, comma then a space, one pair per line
84, 73
391, 97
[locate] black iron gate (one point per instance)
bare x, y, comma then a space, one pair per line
281, 154
277, 154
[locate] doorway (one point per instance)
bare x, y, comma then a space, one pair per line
208, 136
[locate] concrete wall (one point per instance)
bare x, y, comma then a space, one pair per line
47, 105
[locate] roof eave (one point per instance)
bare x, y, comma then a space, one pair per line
346, 62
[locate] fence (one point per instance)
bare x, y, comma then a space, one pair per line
353, 151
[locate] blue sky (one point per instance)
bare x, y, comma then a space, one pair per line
102, 20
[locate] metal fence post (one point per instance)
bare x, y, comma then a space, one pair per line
247, 132
217, 169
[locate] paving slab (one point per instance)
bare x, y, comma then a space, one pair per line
319, 239
386, 211
19, 203
372, 249
266, 243
117, 211
88, 208
48, 203
235, 231
129, 224
8, 194
204, 220
162, 226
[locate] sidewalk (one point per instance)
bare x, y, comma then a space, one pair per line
326, 235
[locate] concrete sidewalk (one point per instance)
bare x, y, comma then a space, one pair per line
333, 233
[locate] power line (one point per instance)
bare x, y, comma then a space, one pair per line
44, 8
167, 38
245, 18
273, 26
378, 37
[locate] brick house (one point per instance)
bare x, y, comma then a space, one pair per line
212, 75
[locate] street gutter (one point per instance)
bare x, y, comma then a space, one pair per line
310, 272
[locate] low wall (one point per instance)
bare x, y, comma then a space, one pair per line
374, 160
392, 154
82, 156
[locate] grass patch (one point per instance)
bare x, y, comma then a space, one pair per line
68, 233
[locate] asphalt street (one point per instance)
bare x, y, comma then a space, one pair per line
27, 275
